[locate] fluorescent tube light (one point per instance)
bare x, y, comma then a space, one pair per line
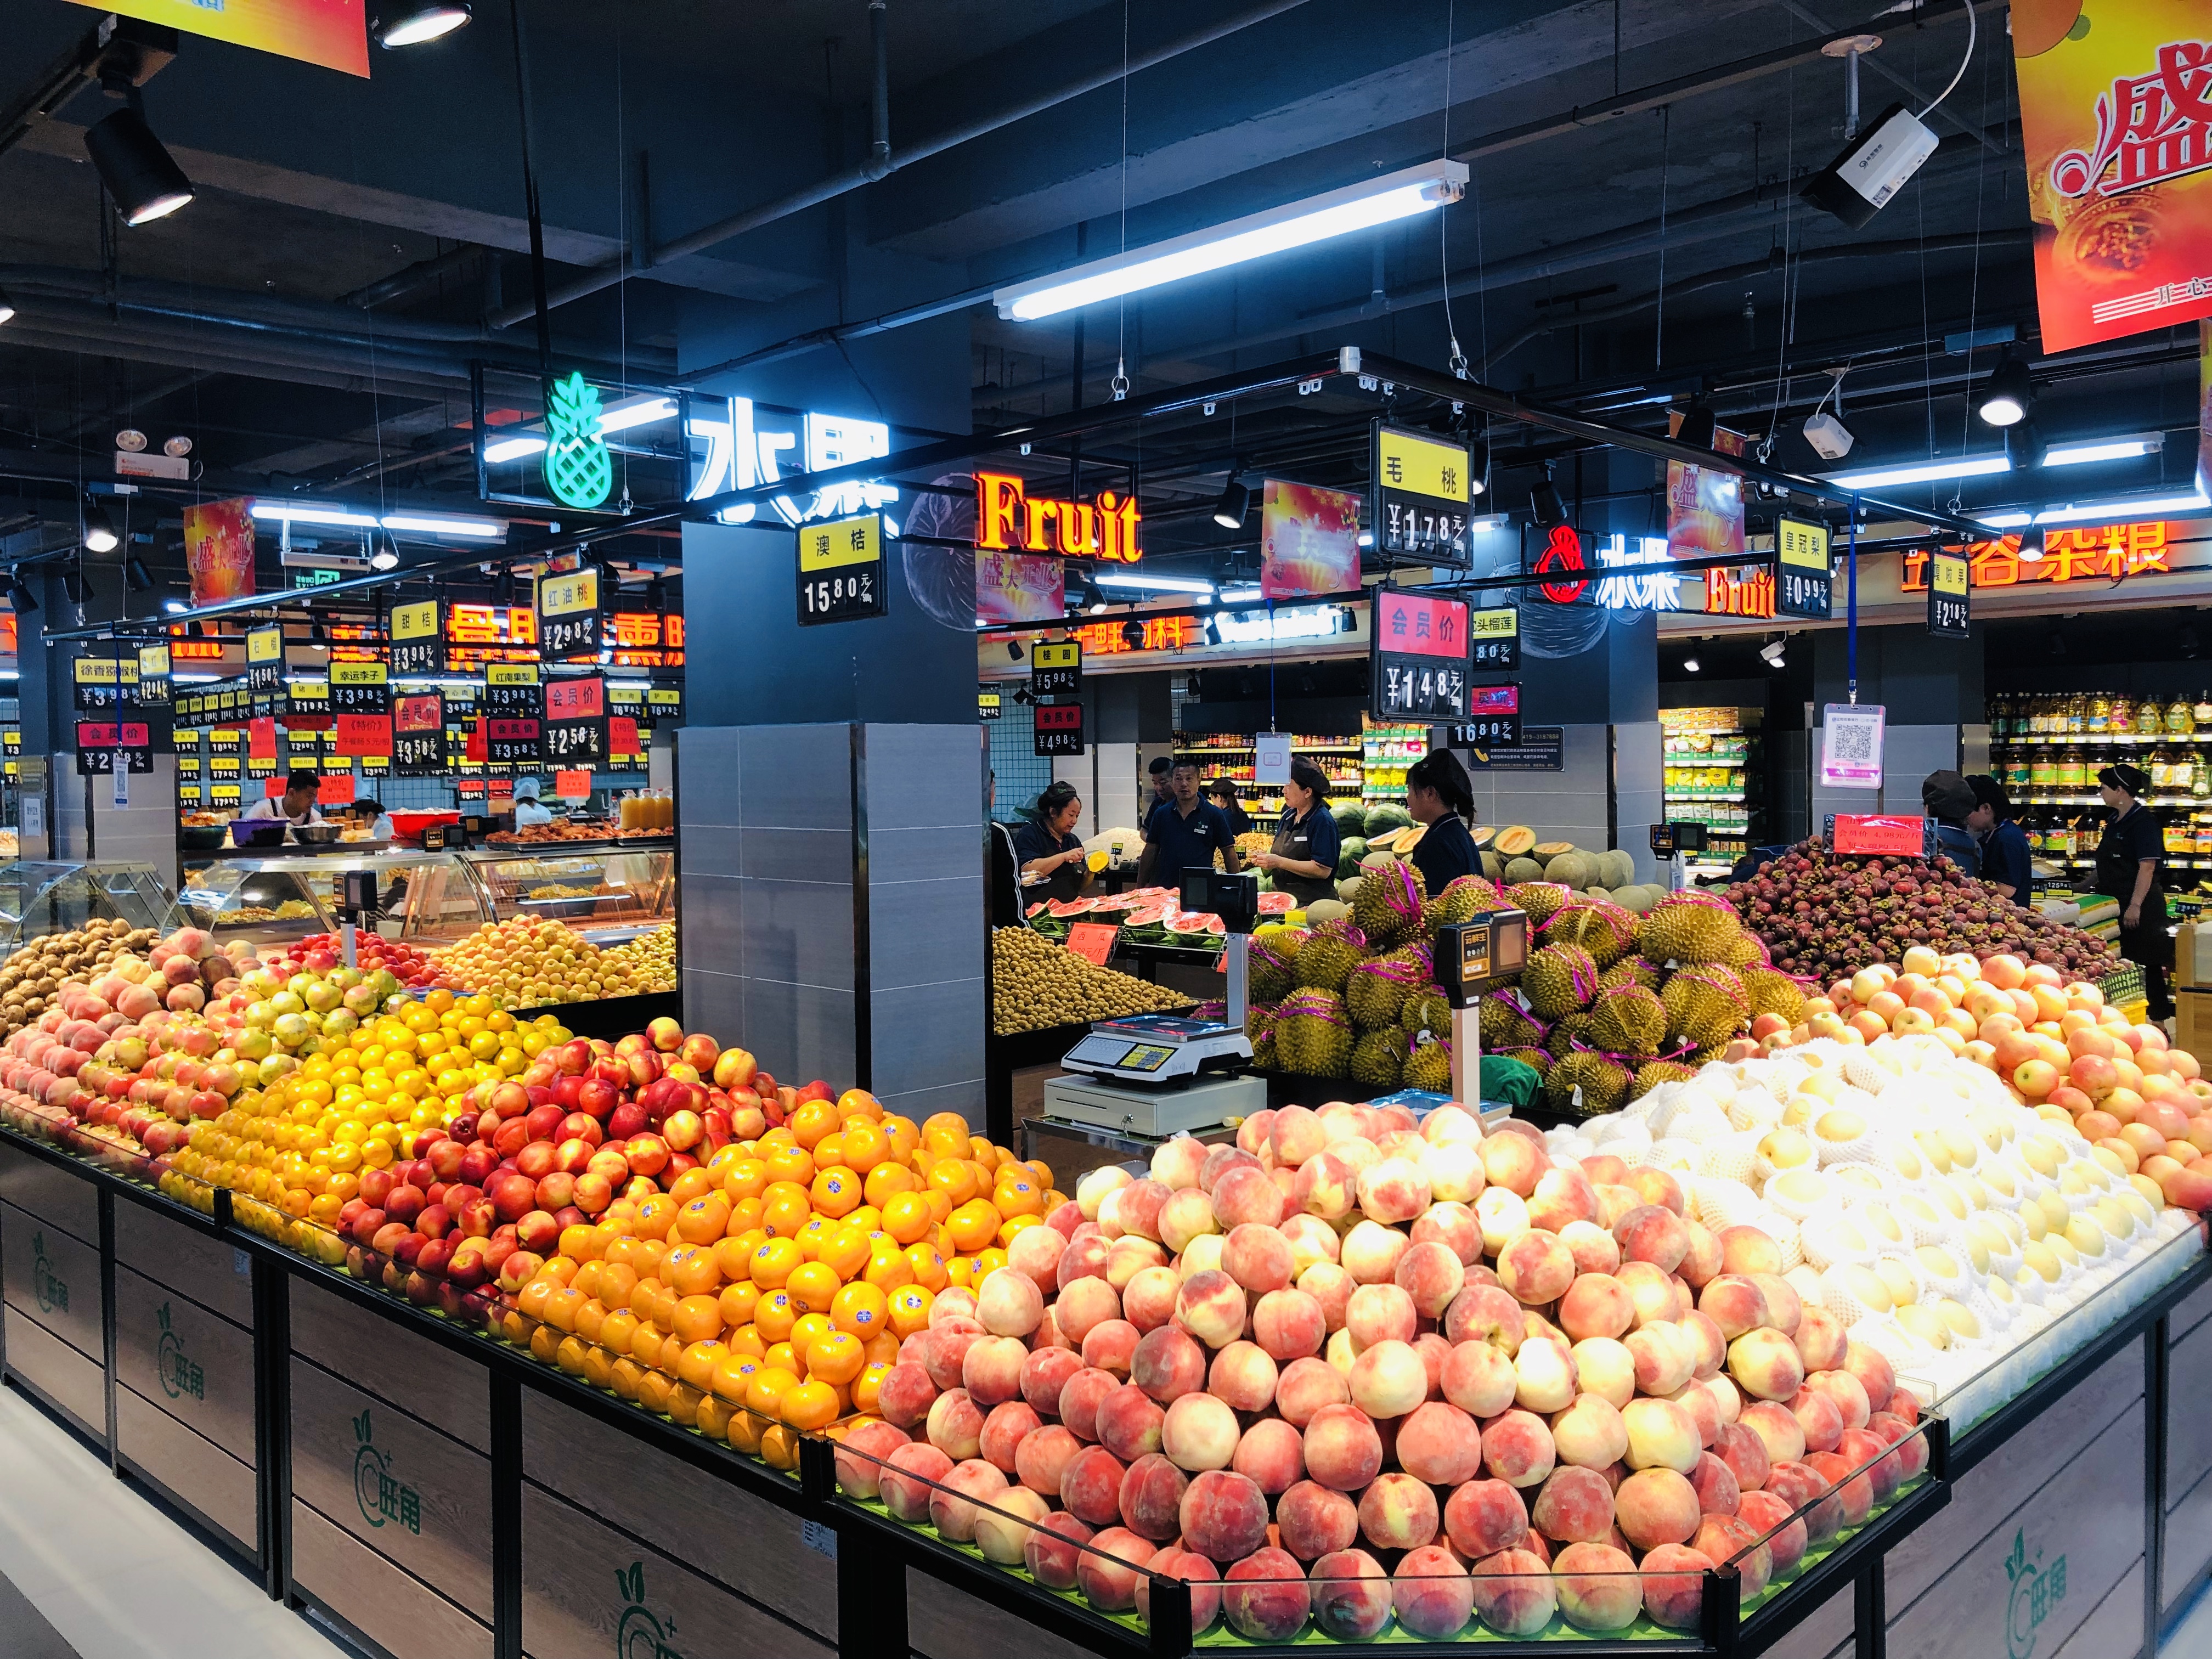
1164, 584
1968, 466
427, 525
2120, 449
2103, 512
1356, 207
512, 449
636, 412
284, 510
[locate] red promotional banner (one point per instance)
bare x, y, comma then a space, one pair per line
572, 785
337, 790
419, 714
261, 738
2117, 124
218, 550
364, 734
1093, 940
622, 736
1019, 587
1411, 624
1704, 506
1309, 541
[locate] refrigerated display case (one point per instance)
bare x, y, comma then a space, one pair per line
42, 896
607, 893
279, 898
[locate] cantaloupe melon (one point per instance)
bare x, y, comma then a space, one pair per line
1492, 866
1616, 868
1571, 867
1514, 839
1322, 910
1482, 834
1520, 870
1552, 849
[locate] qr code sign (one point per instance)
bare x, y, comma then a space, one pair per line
1853, 740
1850, 746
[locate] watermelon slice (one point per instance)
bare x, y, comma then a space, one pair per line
1073, 906
1188, 921
1215, 926
1277, 904
1148, 916
1036, 910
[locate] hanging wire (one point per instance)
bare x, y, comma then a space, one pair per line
622, 218
1457, 359
1120, 383
1665, 143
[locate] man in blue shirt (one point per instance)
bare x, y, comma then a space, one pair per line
1185, 834
1161, 798
2005, 864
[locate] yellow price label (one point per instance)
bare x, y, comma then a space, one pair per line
1422, 466
846, 541
153, 662
357, 674
1064, 653
415, 622
264, 645
1948, 573
664, 699
1802, 545
511, 673
1494, 624
95, 670
565, 596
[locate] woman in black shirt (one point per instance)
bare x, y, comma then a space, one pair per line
1048, 846
1438, 794
2130, 862
1307, 844
1223, 791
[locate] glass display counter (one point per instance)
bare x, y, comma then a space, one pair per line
39, 897
607, 893
281, 898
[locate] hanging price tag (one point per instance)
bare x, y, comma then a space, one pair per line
1056, 668
364, 734
95, 681
841, 570
1803, 577
572, 785
1950, 600
568, 616
335, 791
360, 688
418, 735
575, 722
264, 658
1093, 940
418, 638
1497, 637
154, 684
1059, 728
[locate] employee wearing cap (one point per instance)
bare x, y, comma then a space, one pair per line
1949, 799
529, 811
2130, 861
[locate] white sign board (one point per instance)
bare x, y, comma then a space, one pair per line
1851, 745
1270, 759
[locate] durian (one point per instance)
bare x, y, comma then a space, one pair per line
1651, 1074
1271, 965
1428, 1068
1689, 927
1327, 957
1260, 1030
1536, 1059
1569, 1034
1748, 951
1558, 979
1604, 930
1628, 1020
1465, 896
1389, 907
1630, 970
1537, 898
1375, 990
1770, 991
1426, 1011
1604, 1086
1505, 1024
1378, 1060
1705, 1004
1313, 1034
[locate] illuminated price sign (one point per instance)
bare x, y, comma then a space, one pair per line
1418, 658
418, 735
841, 570
104, 748
309, 698
568, 616
1056, 668
1060, 728
264, 658
96, 685
154, 684
1803, 576
1422, 486
576, 730
1950, 604
418, 638
510, 741
1493, 717
1496, 637
360, 688
513, 689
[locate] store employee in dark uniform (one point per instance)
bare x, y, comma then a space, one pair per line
2005, 862
1307, 844
1185, 834
1439, 795
1048, 846
2130, 864
1223, 791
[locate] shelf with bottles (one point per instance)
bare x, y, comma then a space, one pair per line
2061, 716
2175, 767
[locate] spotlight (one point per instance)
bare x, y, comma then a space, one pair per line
383, 553
1544, 502
2031, 544
1772, 650
1013, 650
2024, 445
1236, 503
318, 637
656, 596
136, 576
174, 607
73, 584
2009, 395
20, 595
1190, 692
410, 22
177, 448
1696, 427
99, 529
197, 630
146, 183
1478, 469
1690, 664
131, 438
7, 306
1132, 633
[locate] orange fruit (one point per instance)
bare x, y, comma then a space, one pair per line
588, 1318
988, 1261
813, 1123
645, 1346
562, 1306
587, 1278
787, 1212
1016, 1194
735, 1257
973, 1225
778, 1446
836, 1192
656, 1215
745, 1339
744, 1177
910, 1309
905, 1138
649, 1254
624, 1376
744, 1216
814, 1285
865, 1386
906, 1217
581, 1243
861, 1309
775, 1262
724, 1160
1041, 1172
883, 1348
790, 1163
946, 1133
887, 1180
810, 1406
696, 1319
691, 1270
696, 1364
815, 1234
805, 1328
858, 1103
929, 1266
866, 1145
835, 1357
783, 1355
688, 1185
940, 1205
732, 1374
766, 1389
623, 1251
774, 1314
746, 1242
845, 1251
868, 1221
1014, 1224
954, 1178
829, 1151
618, 1329
737, 1302
961, 1270
887, 1268
702, 1220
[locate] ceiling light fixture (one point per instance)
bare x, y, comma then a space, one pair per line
2024, 446
175, 607
1690, 664
2031, 545
1972, 467
1545, 503
7, 306
100, 535
384, 556
73, 584
1236, 503
1013, 650
1163, 584
2102, 512
2009, 395
1357, 207
404, 24
145, 182
20, 595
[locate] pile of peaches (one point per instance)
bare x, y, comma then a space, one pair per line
1345, 1370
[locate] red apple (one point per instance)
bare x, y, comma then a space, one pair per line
537, 1231
573, 1057
557, 1191
598, 1099
404, 1202
625, 1121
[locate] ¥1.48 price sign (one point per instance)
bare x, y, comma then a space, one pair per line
1950, 601
418, 735
1418, 658
568, 617
1803, 575
575, 731
360, 688
841, 570
1059, 728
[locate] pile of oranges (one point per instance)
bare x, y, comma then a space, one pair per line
768, 1293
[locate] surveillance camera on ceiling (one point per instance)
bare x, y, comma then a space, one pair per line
1874, 166
1829, 438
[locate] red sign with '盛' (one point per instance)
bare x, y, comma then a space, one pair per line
1867, 833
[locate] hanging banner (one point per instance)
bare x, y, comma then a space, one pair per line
1422, 485
218, 550
1950, 602
328, 32
2116, 121
363, 734
1309, 541
2204, 408
418, 735
1019, 587
417, 633
1704, 505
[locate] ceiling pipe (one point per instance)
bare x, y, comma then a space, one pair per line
876, 167
420, 275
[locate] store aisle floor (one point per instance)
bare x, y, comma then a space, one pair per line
110, 1576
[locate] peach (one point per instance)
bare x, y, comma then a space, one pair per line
1488, 1315
1598, 1587
1199, 1433
1785, 1309
1615, 1199
1314, 1522
1081, 1304
1440, 1444
1167, 1364
1397, 1512
1656, 1506
1703, 1259
1590, 1434
1044, 1375
1597, 1304
1038, 1261
1246, 1193
1454, 1171
956, 1424
1776, 1429
1517, 1449
1351, 1594
1310, 1239
1342, 1448
1331, 1288
1502, 1214
1272, 1453
1735, 1304
1049, 1550
1395, 1189
1211, 1306
1809, 1493
1296, 1134
1744, 1453
1187, 1214
1150, 1498
1846, 1393
1575, 1507
946, 1350
1654, 1291
1258, 1258
1876, 1375
1288, 1325
1041, 1459
1513, 1162
1244, 1377
1822, 1340
1432, 1593
1652, 1233
860, 1455
1864, 1449
1252, 1135
952, 1506
1381, 1313
908, 1476
1431, 1275
1726, 1541
1514, 1593
1711, 1345
1479, 1379
1544, 1375
1766, 1366
1002, 1530
1748, 1250
1148, 1300
1305, 1386
1483, 1516
1265, 1596
1593, 1247
1673, 1578
1665, 1356
906, 1394
1200, 1574
1661, 1435
1080, 1397
1137, 1207
1704, 1409
1177, 1163
1388, 1380
1911, 1449
1004, 1431
1563, 1194
1772, 1522
1224, 1515
1716, 1488
1534, 1267
1371, 1251
1091, 1486
1010, 1304
1453, 1225
1109, 1346
991, 1372
1818, 1419
1327, 1187
1107, 1572
1607, 1369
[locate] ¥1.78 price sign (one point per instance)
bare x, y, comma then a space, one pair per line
575, 731
1418, 658
841, 570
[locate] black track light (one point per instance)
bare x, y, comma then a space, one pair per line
1697, 425
1543, 502
1236, 504
136, 576
1013, 650
2057, 643
656, 596
73, 585
7, 306
146, 183
2024, 445
197, 630
410, 22
2008, 397
100, 535
20, 595
2032, 544
1477, 468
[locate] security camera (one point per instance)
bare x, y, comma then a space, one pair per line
1874, 166
1829, 438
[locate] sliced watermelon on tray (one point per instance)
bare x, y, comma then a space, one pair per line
1148, 916
1215, 926
1277, 904
1034, 910
1073, 906
1189, 921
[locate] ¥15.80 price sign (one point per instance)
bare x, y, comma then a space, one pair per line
1950, 596
1803, 576
575, 732
841, 570
418, 735
568, 616
1059, 728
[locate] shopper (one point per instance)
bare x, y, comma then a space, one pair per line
2130, 868
1303, 861
1186, 833
527, 809
1439, 795
1223, 791
1945, 798
1046, 842
1005, 865
295, 805
2005, 862
1162, 795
